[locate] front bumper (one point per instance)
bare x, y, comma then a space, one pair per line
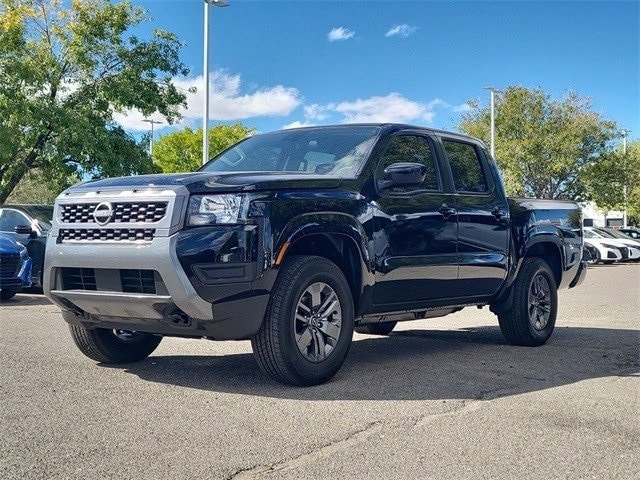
231, 310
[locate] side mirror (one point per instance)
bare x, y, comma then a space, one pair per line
403, 175
26, 230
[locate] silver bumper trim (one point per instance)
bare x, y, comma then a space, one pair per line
115, 304
159, 255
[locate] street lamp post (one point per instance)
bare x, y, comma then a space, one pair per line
625, 132
493, 91
152, 122
205, 117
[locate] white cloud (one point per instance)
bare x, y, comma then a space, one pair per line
133, 120
391, 108
226, 101
403, 31
318, 112
297, 124
462, 108
340, 33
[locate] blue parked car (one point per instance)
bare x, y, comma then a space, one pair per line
15, 267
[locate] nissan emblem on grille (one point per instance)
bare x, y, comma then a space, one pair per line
103, 213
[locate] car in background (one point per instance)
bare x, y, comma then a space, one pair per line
621, 235
15, 267
604, 252
29, 225
589, 253
631, 232
633, 245
599, 239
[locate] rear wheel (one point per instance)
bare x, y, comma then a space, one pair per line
114, 346
307, 330
531, 318
382, 328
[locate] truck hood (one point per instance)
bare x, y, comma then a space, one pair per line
212, 182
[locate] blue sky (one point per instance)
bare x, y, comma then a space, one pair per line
276, 63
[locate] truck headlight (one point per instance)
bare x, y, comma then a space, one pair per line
215, 209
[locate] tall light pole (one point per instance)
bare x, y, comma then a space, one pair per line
205, 117
152, 122
624, 132
493, 91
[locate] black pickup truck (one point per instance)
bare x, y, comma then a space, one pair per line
296, 238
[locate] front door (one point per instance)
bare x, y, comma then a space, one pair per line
415, 231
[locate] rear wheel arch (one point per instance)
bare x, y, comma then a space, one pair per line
550, 252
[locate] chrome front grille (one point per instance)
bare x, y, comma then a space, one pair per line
92, 216
123, 212
106, 234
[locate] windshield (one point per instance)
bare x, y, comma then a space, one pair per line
616, 234
590, 234
331, 151
605, 234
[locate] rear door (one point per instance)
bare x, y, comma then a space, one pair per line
483, 219
415, 230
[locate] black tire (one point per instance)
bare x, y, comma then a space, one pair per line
275, 347
105, 346
608, 262
526, 322
382, 328
7, 294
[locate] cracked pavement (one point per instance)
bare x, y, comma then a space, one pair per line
442, 398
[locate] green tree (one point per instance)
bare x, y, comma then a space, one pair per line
543, 146
606, 181
65, 67
181, 151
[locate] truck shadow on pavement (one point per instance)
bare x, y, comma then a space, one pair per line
472, 363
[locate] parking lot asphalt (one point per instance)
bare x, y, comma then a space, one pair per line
442, 398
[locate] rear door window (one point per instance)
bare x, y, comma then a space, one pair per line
468, 175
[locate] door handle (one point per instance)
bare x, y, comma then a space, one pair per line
498, 213
446, 211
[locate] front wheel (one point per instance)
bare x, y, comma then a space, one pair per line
531, 318
114, 346
307, 330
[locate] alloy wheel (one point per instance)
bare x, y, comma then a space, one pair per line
539, 302
317, 322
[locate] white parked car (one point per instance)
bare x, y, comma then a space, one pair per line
628, 249
605, 253
633, 244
